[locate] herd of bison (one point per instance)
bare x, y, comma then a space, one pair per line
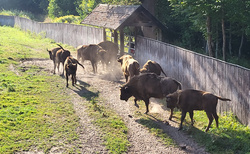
143, 83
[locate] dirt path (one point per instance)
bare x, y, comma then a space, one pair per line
141, 140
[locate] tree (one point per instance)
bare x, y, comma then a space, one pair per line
58, 8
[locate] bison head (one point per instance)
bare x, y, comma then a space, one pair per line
125, 93
172, 100
50, 54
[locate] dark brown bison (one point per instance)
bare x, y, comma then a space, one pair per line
92, 52
147, 85
111, 52
190, 100
130, 67
52, 55
58, 55
70, 68
152, 67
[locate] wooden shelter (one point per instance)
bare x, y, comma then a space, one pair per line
117, 17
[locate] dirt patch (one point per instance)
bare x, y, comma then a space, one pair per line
108, 82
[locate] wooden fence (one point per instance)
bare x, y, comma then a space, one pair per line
201, 72
193, 70
70, 34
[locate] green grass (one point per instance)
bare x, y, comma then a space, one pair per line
33, 115
36, 113
230, 137
113, 127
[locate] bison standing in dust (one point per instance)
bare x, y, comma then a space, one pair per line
130, 67
147, 85
152, 67
92, 52
58, 55
111, 52
190, 100
70, 68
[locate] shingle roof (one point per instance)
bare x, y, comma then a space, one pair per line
118, 16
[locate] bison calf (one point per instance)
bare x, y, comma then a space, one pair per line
70, 67
147, 85
190, 100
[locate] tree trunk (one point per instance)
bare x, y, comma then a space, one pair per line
230, 41
241, 44
217, 41
224, 39
209, 36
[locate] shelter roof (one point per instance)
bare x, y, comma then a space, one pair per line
119, 16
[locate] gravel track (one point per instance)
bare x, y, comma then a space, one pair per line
141, 140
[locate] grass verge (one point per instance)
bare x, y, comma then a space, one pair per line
231, 136
33, 115
35, 111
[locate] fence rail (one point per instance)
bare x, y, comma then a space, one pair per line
201, 72
70, 34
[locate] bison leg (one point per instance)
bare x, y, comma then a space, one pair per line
135, 100
67, 79
126, 77
210, 117
58, 64
191, 115
73, 79
171, 114
216, 118
183, 115
146, 103
54, 67
94, 66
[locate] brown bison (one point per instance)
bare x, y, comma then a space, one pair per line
147, 85
152, 67
130, 67
112, 51
190, 100
52, 55
58, 55
92, 52
70, 68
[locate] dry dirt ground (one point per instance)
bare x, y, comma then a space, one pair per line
107, 83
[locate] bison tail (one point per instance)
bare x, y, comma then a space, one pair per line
79, 64
223, 99
179, 84
60, 46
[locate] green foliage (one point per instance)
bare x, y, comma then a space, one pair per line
34, 6
68, 19
58, 8
23, 14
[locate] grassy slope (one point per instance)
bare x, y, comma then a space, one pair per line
35, 113
32, 113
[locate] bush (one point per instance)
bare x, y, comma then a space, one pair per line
68, 19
